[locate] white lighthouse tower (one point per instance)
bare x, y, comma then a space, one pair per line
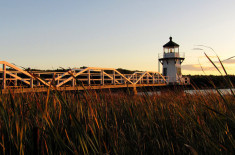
171, 61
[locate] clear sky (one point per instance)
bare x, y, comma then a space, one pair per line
48, 34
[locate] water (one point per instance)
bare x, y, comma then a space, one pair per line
206, 91
201, 91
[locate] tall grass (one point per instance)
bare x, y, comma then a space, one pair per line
116, 123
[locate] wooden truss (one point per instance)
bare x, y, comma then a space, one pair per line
15, 77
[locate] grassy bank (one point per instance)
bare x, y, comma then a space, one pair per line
117, 123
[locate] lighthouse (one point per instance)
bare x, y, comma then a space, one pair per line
171, 60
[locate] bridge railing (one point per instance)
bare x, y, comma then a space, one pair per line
12, 76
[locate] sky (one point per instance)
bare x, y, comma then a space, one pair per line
129, 34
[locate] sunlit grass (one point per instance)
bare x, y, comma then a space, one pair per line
102, 122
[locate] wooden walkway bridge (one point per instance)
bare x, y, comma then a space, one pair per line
18, 80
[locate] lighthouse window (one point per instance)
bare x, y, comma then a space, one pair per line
164, 71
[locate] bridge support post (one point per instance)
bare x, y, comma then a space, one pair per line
15, 82
58, 81
158, 78
102, 77
4, 76
38, 82
135, 90
89, 77
147, 78
73, 82
113, 77
31, 82
153, 78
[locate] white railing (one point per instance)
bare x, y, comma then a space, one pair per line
171, 55
13, 76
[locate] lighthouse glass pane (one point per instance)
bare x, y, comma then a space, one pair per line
164, 71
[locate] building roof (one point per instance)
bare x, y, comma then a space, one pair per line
171, 44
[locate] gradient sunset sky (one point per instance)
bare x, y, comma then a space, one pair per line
48, 34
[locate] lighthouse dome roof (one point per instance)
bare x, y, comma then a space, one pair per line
170, 44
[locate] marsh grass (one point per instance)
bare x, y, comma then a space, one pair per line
116, 123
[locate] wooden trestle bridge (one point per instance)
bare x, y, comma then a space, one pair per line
16, 79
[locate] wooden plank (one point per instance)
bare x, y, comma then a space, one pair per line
141, 77
38, 82
113, 79
4, 76
18, 78
21, 71
147, 78
15, 83
102, 77
153, 76
44, 89
71, 77
89, 77
31, 83
16, 68
123, 76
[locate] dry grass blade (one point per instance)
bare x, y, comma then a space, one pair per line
193, 151
227, 78
212, 63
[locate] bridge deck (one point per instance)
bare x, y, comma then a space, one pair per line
44, 89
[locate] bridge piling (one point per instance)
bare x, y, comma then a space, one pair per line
135, 90
114, 77
31, 82
15, 81
89, 77
4, 76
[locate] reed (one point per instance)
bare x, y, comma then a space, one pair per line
116, 123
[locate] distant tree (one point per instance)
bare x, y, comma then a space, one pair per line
205, 81
125, 71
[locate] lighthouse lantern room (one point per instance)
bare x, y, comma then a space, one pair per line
171, 61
